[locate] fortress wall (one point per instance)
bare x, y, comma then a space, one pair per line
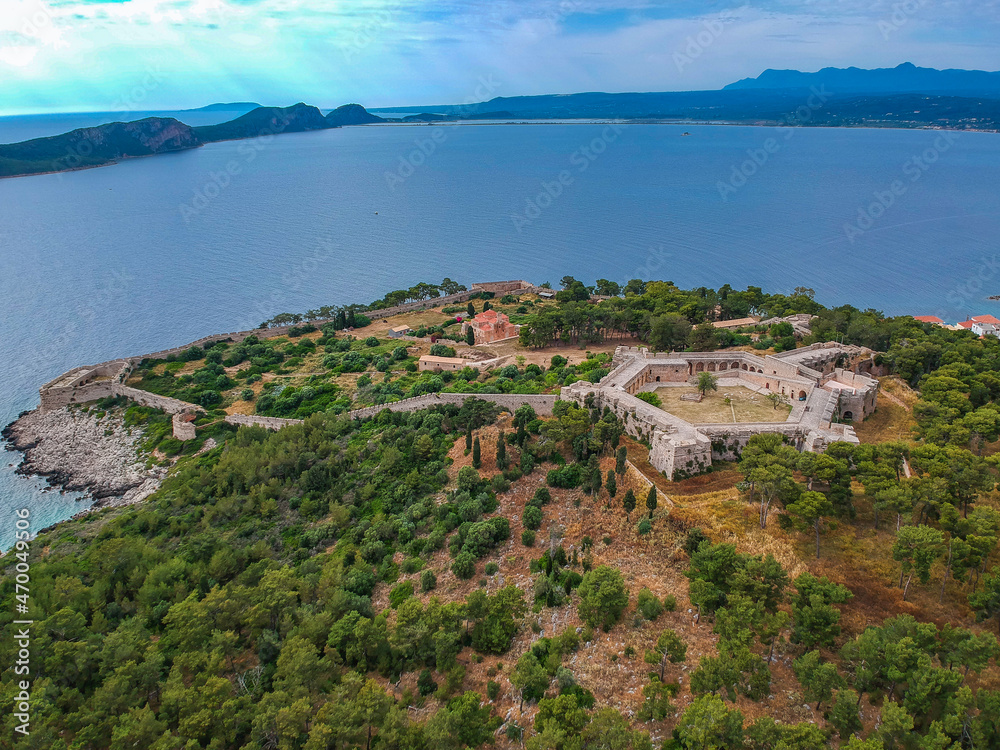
271, 423
501, 287
57, 398
145, 398
424, 304
541, 403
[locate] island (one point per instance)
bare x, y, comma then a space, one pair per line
597, 515
902, 97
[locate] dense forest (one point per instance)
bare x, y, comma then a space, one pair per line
453, 577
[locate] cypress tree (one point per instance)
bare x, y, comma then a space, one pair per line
651, 500
620, 458
628, 502
470, 335
502, 451
471, 309
611, 485
477, 454
468, 437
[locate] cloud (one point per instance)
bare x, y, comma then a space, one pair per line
74, 54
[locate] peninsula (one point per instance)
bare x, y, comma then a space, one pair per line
408, 524
903, 97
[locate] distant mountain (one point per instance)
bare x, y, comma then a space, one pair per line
226, 107
351, 114
97, 146
265, 121
904, 78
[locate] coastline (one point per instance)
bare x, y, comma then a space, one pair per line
541, 121
84, 451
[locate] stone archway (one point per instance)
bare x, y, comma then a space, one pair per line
848, 415
745, 367
700, 367
723, 366
767, 385
802, 395
711, 366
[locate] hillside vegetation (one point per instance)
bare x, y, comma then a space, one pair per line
457, 577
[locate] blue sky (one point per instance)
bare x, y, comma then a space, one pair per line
86, 55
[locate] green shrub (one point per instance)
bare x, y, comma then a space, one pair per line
491, 569
648, 605
650, 398
428, 581
371, 342
464, 566
528, 538
532, 517
492, 690
644, 527
425, 683
247, 394
670, 602
400, 593
603, 597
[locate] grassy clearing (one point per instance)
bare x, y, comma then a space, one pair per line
747, 405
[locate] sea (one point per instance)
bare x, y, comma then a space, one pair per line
156, 252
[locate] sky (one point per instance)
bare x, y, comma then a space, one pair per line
136, 55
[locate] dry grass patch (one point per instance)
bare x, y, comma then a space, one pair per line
745, 405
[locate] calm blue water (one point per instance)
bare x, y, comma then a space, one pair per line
157, 252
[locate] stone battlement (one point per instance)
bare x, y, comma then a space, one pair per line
678, 448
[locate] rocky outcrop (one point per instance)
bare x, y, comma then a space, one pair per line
77, 450
265, 121
94, 147
351, 114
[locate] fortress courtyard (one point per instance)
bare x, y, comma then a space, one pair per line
745, 405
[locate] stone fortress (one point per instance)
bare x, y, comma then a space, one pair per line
823, 382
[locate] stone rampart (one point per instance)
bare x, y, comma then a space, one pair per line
541, 403
503, 287
271, 423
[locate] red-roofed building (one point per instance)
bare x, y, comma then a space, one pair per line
966, 324
929, 319
986, 319
490, 326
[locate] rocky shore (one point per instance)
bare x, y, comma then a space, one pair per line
77, 450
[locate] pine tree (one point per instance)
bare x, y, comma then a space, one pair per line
502, 451
628, 502
477, 454
651, 500
611, 485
